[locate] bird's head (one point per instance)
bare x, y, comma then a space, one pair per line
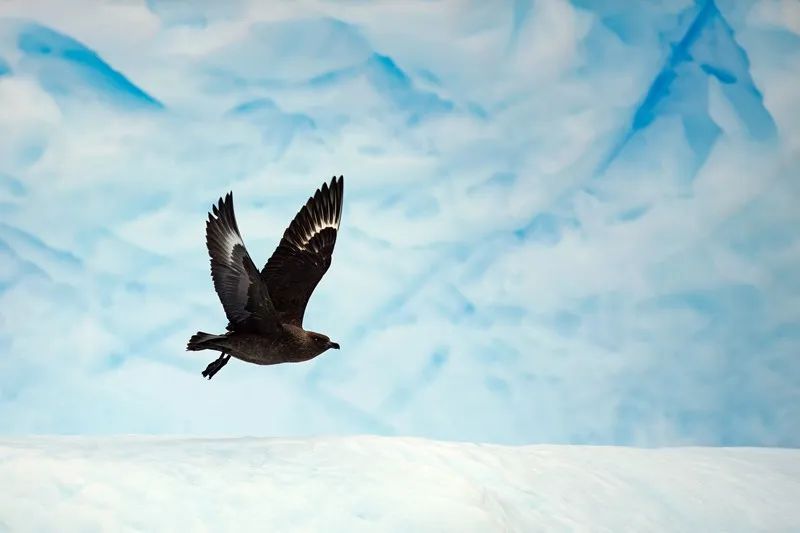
322, 342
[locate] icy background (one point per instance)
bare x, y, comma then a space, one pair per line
565, 222
375, 484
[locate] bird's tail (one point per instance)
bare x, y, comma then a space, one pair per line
203, 341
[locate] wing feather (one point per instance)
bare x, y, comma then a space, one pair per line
304, 253
243, 293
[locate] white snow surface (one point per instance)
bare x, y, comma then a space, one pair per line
352, 484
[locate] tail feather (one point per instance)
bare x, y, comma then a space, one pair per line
201, 340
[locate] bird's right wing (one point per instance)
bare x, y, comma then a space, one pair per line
304, 253
238, 283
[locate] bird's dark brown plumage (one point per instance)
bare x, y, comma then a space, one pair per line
304, 253
265, 309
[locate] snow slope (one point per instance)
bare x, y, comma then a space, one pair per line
389, 484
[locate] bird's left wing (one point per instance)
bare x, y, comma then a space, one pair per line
241, 289
304, 253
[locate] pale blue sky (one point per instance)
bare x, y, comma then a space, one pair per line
564, 222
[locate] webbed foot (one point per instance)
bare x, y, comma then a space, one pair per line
215, 366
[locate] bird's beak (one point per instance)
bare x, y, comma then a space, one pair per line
333, 345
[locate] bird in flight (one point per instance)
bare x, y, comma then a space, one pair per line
265, 309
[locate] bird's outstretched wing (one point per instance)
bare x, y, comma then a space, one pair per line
241, 289
304, 253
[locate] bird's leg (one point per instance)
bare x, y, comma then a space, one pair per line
216, 365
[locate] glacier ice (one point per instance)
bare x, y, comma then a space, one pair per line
489, 268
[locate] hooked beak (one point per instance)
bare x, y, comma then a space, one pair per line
333, 345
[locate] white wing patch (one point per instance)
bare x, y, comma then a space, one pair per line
231, 240
322, 211
319, 226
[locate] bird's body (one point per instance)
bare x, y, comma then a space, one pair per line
290, 345
265, 309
